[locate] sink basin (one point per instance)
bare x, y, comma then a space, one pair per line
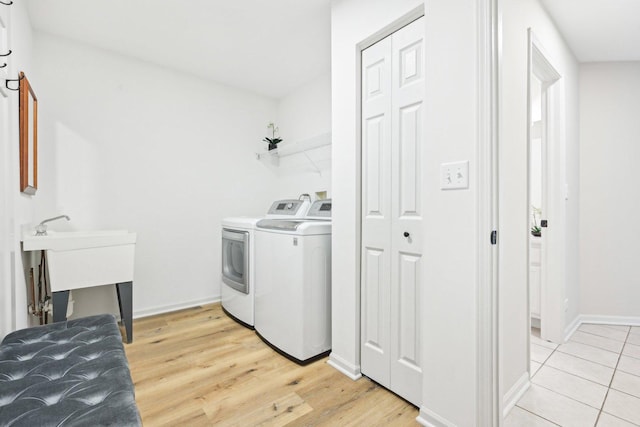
81, 259
70, 240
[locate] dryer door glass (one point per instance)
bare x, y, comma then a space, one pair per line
235, 259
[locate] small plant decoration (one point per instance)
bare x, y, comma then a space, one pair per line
274, 140
535, 229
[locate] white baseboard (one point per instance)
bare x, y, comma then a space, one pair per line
348, 369
173, 307
515, 393
599, 319
610, 320
428, 418
573, 326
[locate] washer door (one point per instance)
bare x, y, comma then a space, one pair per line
235, 259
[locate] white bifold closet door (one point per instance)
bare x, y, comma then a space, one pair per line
392, 210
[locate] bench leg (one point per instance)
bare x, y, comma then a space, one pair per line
60, 302
125, 301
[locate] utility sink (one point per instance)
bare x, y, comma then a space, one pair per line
70, 240
81, 259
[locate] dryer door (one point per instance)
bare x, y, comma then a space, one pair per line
235, 259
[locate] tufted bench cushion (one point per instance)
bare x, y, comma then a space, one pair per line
72, 373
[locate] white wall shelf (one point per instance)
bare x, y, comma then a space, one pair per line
288, 149
300, 147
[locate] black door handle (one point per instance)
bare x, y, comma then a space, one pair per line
406, 234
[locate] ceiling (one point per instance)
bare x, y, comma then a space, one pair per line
599, 30
272, 47
267, 47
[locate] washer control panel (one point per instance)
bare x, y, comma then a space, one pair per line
292, 207
320, 209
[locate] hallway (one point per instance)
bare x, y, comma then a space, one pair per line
593, 379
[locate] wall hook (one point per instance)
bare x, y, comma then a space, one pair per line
3, 65
8, 53
6, 82
6, 4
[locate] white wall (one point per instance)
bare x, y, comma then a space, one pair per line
609, 202
17, 208
451, 270
449, 274
306, 112
303, 116
158, 152
518, 16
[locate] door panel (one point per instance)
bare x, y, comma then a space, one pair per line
409, 166
408, 328
374, 317
375, 76
376, 210
406, 223
374, 167
392, 209
410, 59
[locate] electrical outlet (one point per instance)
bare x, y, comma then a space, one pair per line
454, 176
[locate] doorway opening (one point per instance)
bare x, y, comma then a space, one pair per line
545, 322
537, 196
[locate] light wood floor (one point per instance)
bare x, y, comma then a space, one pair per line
197, 367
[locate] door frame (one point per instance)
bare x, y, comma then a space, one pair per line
384, 365
540, 66
7, 273
7, 317
489, 359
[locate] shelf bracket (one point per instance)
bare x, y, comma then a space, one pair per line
312, 163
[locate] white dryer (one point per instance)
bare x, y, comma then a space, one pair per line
238, 257
237, 268
293, 288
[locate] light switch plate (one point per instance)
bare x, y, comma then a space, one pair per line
454, 176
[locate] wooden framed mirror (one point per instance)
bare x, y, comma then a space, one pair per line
28, 137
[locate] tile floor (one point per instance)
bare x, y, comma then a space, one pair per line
592, 380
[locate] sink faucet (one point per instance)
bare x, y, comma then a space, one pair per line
41, 229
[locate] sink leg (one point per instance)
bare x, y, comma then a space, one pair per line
60, 301
125, 301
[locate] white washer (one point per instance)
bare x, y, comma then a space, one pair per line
238, 258
293, 283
